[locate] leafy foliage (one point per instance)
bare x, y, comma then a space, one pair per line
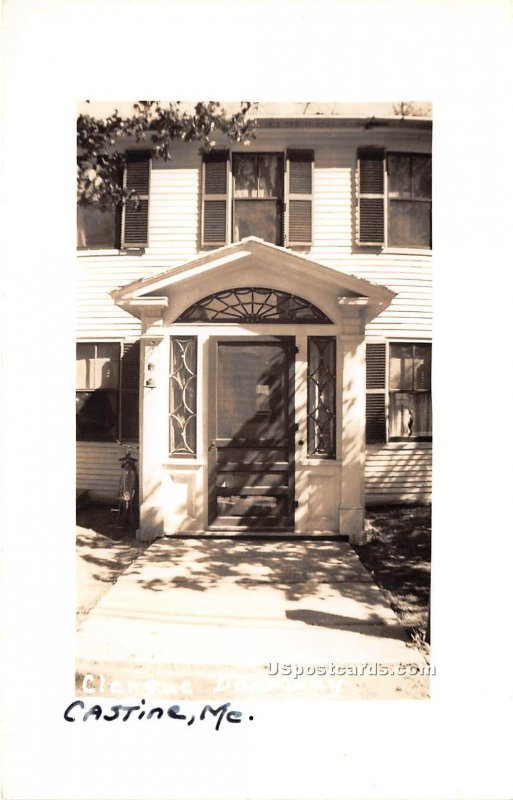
409, 109
101, 158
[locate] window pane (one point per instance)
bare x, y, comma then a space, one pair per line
401, 366
97, 415
269, 176
251, 403
96, 227
421, 177
262, 219
107, 366
85, 365
321, 396
410, 414
97, 366
182, 396
245, 173
409, 223
399, 175
422, 367
248, 304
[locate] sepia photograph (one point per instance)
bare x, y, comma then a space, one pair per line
253, 400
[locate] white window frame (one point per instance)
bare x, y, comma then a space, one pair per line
396, 439
231, 187
407, 248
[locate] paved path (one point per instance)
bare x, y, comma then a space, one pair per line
217, 618
100, 561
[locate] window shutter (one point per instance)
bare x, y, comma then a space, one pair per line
299, 198
135, 211
129, 405
214, 225
371, 197
375, 411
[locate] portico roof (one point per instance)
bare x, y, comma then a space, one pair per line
294, 271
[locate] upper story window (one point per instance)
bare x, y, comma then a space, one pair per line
394, 199
258, 196
97, 227
123, 226
268, 195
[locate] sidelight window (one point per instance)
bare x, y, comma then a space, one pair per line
182, 396
321, 396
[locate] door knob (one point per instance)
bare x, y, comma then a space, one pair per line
301, 442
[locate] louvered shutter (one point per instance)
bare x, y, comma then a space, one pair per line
135, 211
375, 411
371, 197
129, 405
214, 224
299, 198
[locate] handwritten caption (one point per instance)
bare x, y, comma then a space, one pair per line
77, 712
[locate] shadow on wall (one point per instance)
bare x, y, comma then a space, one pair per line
401, 473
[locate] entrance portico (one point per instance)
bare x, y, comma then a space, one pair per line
252, 394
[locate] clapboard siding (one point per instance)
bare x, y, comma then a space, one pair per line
98, 468
175, 219
410, 313
393, 473
399, 472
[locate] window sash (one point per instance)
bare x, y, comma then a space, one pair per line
107, 391
410, 415
257, 217
98, 390
97, 227
257, 196
97, 415
409, 223
408, 200
410, 367
409, 386
262, 181
97, 365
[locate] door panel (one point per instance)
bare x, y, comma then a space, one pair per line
252, 481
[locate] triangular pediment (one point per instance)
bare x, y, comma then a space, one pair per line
251, 262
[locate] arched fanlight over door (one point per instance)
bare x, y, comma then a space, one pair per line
249, 304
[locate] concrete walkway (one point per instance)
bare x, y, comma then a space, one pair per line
216, 619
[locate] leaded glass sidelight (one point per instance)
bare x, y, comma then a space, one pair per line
321, 396
249, 304
182, 396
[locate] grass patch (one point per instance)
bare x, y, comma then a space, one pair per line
398, 556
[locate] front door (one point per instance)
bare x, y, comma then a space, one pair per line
252, 458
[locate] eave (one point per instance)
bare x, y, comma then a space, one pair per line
152, 293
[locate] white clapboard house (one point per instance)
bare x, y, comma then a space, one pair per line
258, 330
